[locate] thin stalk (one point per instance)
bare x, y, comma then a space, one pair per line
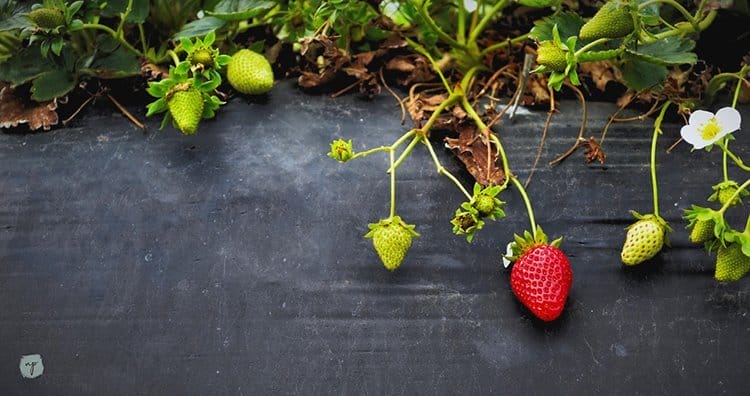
405, 153
657, 132
503, 44
392, 147
736, 194
724, 158
703, 24
591, 45
690, 18
114, 36
421, 50
461, 34
527, 202
737, 160
440, 32
393, 187
124, 16
142, 34
441, 169
485, 20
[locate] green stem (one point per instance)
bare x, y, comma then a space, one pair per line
683, 29
175, 58
441, 170
527, 202
736, 194
724, 157
740, 80
113, 34
485, 20
591, 45
737, 160
124, 17
503, 44
393, 187
690, 18
441, 34
461, 34
142, 34
657, 132
404, 154
421, 50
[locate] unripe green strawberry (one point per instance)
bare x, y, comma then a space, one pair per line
644, 240
484, 204
391, 239
703, 231
613, 20
731, 263
203, 56
551, 55
726, 193
186, 108
47, 18
250, 73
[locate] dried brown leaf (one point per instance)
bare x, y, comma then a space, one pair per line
601, 72
477, 154
14, 111
593, 151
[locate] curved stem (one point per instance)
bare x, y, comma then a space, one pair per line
503, 44
690, 18
421, 50
485, 20
657, 132
393, 187
124, 17
440, 32
682, 28
527, 202
404, 154
591, 45
441, 169
736, 194
113, 34
737, 160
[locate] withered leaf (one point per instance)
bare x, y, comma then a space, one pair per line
594, 151
14, 111
478, 155
416, 67
601, 72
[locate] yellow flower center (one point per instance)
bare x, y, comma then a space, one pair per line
710, 129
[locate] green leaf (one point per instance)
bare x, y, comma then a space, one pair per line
200, 27
639, 75
52, 84
257, 46
540, 3
57, 45
240, 10
138, 13
14, 22
25, 66
668, 51
117, 64
649, 15
157, 106
568, 24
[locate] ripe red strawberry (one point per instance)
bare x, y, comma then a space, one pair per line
541, 276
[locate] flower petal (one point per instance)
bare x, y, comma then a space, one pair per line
691, 135
700, 117
729, 119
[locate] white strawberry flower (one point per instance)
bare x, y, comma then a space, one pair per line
705, 128
508, 253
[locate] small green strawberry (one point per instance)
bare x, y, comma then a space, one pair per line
703, 231
613, 20
392, 239
203, 56
250, 73
185, 104
731, 263
549, 54
645, 238
341, 150
724, 192
485, 204
47, 18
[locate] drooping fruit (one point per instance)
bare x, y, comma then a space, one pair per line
392, 239
551, 55
250, 73
645, 238
541, 277
731, 263
613, 20
186, 107
703, 231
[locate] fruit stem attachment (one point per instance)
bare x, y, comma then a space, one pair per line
591, 45
393, 184
441, 170
526, 201
657, 132
736, 194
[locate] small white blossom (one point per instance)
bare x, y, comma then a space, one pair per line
704, 128
508, 253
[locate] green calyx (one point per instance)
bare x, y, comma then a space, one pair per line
528, 241
706, 225
724, 193
486, 203
653, 217
467, 222
341, 150
204, 56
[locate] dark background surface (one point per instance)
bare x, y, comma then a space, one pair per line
233, 262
